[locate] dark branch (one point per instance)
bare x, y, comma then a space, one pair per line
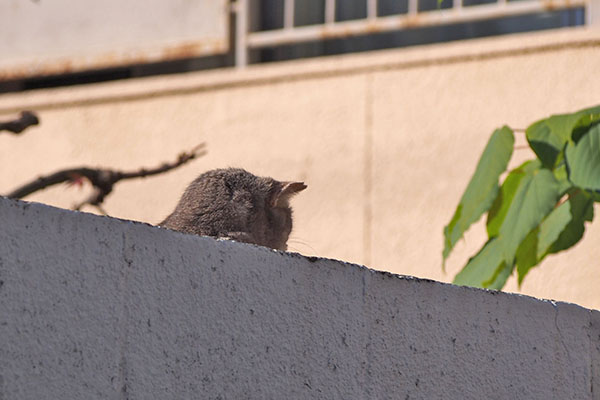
66, 175
102, 179
25, 120
183, 158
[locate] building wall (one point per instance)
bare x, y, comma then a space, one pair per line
386, 142
94, 307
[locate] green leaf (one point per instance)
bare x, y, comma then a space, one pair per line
552, 226
583, 160
482, 188
526, 256
500, 276
535, 195
506, 194
536, 244
581, 208
545, 142
524, 224
560, 173
548, 137
589, 117
482, 266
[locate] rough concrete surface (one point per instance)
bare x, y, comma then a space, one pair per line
99, 308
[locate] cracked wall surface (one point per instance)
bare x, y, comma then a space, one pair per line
100, 308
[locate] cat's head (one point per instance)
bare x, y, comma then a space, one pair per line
278, 213
236, 204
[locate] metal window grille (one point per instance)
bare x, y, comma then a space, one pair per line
459, 12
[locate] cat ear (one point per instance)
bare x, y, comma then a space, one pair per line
288, 189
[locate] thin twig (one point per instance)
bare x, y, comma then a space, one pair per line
183, 158
102, 179
16, 126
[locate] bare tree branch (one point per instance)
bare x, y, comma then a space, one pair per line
16, 126
102, 179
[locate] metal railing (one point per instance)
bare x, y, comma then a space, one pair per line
246, 40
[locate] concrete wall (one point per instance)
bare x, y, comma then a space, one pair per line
99, 308
386, 142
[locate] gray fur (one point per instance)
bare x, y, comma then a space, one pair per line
233, 203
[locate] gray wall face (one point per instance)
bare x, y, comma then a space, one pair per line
94, 307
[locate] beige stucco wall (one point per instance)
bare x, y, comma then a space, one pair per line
386, 142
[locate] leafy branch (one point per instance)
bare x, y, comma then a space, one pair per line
542, 205
102, 179
16, 126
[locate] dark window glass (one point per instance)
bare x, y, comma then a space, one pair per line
391, 7
309, 12
467, 3
346, 10
266, 15
430, 5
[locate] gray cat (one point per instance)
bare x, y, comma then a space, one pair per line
233, 203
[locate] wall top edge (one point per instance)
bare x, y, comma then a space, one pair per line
26, 207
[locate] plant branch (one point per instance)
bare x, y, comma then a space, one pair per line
16, 126
101, 179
